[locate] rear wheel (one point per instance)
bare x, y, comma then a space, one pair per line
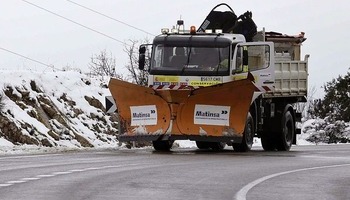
203, 145
286, 134
162, 145
248, 136
267, 141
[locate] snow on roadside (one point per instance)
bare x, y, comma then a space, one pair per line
58, 88
5, 143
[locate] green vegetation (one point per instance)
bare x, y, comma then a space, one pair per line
336, 103
332, 113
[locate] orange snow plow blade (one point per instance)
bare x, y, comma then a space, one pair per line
220, 110
148, 114
141, 111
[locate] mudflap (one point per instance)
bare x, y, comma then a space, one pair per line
217, 111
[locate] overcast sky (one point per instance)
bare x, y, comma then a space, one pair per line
42, 36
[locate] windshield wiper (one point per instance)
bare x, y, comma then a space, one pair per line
187, 62
219, 65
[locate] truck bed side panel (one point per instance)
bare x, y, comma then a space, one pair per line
290, 79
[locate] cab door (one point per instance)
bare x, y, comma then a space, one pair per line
256, 58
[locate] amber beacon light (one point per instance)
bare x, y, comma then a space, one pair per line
193, 30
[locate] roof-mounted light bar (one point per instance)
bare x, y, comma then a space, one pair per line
164, 30
193, 30
218, 31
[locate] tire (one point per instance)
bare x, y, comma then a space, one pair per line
248, 136
203, 145
162, 145
217, 146
287, 132
268, 141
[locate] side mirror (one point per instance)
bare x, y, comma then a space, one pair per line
245, 57
142, 60
142, 49
142, 57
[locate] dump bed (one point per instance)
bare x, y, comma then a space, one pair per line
290, 77
291, 72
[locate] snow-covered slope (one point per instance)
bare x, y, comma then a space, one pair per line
55, 109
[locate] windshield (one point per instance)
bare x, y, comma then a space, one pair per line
187, 61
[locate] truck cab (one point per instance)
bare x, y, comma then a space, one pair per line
205, 59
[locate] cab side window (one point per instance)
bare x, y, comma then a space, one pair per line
258, 57
239, 59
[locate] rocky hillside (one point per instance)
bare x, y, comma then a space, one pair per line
55, 109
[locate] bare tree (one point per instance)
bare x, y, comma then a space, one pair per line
310, 104
104, 64
1, 102
137, 76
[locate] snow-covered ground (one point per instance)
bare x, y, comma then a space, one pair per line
60, 109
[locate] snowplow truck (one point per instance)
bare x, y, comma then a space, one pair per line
221, 84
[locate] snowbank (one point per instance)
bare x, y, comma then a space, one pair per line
55, 109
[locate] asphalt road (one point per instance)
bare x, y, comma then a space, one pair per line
305, 172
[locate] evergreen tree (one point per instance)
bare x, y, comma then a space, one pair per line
336, 103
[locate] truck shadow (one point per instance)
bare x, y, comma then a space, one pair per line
227, 151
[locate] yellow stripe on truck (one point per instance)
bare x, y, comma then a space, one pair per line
240, 77
166, 78
204, 83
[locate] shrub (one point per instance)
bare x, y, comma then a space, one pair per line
328, 131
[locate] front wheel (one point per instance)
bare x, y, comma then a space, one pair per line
248, 136
217, 146
162, 145
203, 145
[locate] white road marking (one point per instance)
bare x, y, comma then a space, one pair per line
45, 175
62, 173
38, 177
77, 170
5, 185
30, 179
92, 168
15, 182
242, 193
31, 156
116, 166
